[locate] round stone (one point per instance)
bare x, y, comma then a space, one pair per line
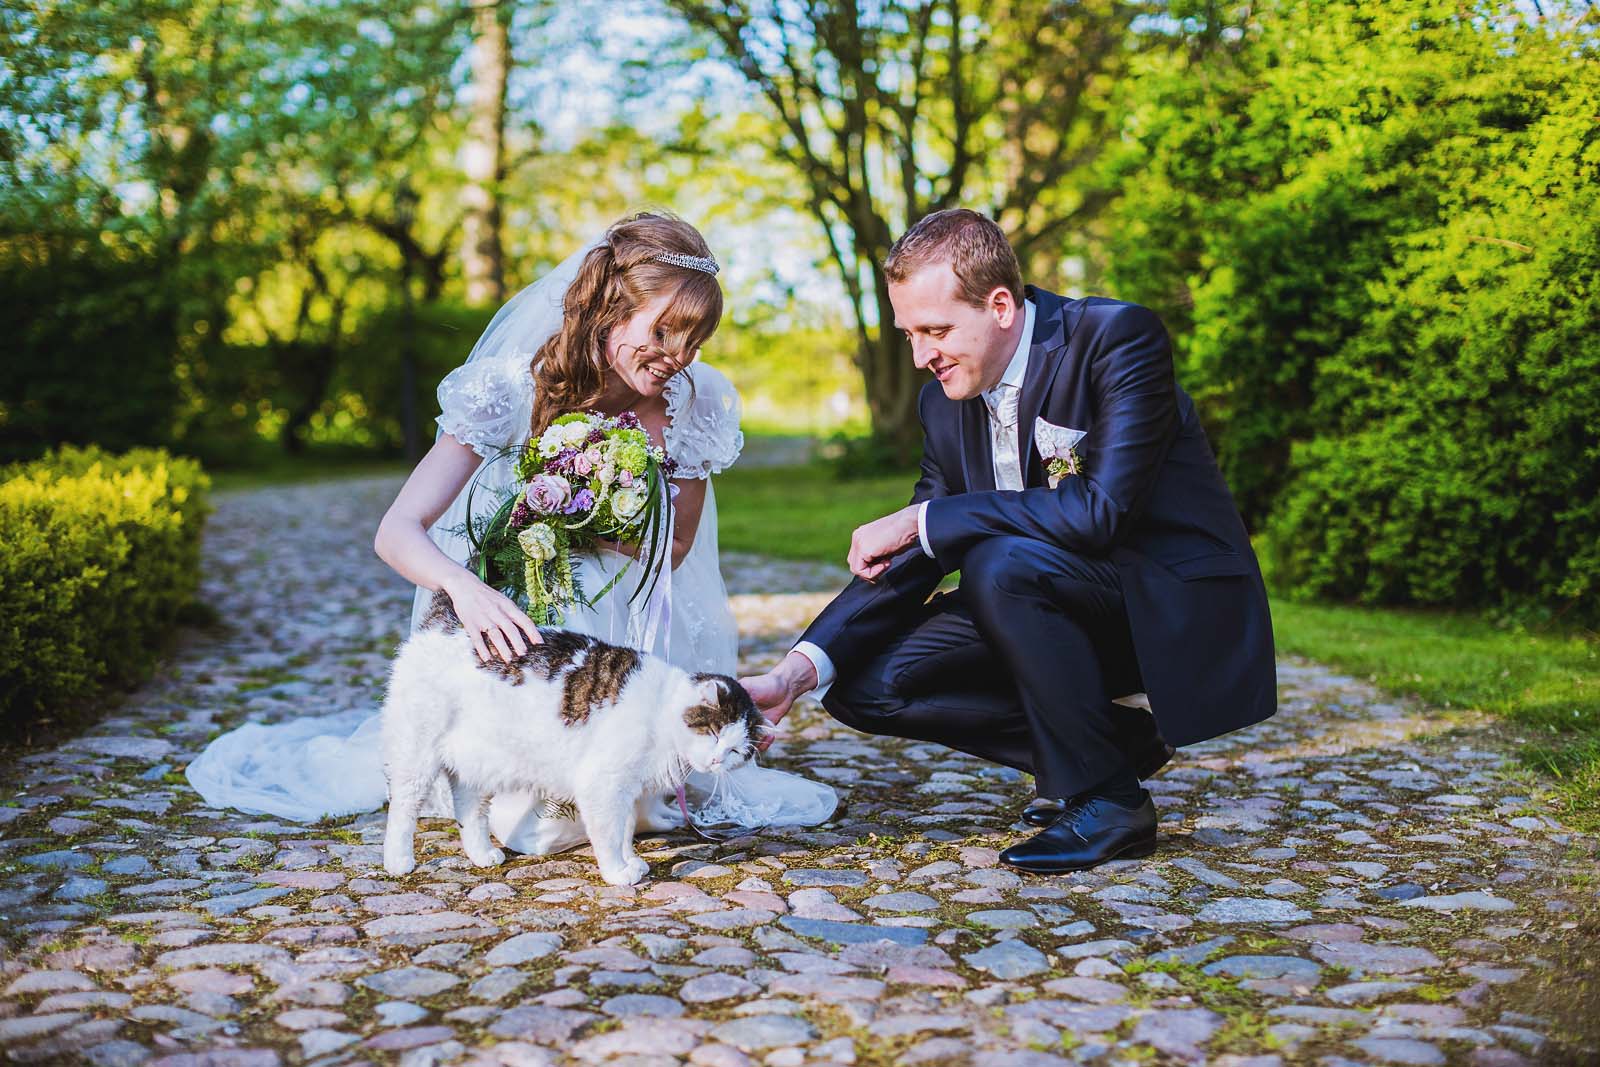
713, 987
1004, 919
633, 1005
1266, 967
901, 902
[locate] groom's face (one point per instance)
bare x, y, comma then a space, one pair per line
966, 348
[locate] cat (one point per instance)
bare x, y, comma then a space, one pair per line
573, 717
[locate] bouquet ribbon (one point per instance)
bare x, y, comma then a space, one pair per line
656, 618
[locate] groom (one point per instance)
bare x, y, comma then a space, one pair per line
1100, 583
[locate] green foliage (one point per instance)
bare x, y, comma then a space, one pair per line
435, 338
1374, 232
855, 456
98, 552
882, 113
791, 377
89, 339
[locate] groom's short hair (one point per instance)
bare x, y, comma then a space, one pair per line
972, 244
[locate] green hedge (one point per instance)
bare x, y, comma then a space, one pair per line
1375, 234
86, 331
98, 552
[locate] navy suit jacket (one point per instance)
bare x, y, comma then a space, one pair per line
1150, 498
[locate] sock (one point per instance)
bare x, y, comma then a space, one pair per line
1121, 788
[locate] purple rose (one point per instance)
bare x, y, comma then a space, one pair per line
582, 502
549, 493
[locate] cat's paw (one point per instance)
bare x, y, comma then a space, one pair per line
630, 873
494, 857
398, 863
658, 816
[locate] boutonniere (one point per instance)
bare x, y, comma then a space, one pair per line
1055, 443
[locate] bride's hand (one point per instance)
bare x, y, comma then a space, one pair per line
491, 619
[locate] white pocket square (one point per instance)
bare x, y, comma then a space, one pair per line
1055, 442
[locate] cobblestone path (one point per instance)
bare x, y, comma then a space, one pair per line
1354, 881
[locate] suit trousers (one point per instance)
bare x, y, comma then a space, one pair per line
1017, 666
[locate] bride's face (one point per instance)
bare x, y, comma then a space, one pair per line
635, 350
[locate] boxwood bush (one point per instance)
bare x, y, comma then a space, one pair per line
98, 553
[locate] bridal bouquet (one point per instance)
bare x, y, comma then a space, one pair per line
587, 478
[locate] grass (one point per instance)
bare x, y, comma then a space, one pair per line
801, 512
1545, 683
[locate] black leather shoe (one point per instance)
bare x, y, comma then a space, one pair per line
1043, 811
1089, 833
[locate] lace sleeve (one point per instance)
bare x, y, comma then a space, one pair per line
485, 404
703, 434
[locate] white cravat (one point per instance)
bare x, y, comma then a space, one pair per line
1002, 402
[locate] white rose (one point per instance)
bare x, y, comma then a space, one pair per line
538, 543
626, 503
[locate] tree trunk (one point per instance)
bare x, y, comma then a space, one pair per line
306, 369
891, 378
483, 158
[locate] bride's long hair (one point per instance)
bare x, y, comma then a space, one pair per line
617, 278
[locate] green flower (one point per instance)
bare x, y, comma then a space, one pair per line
631, 456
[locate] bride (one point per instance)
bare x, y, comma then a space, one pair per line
616, 327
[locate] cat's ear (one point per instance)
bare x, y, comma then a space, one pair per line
709, 690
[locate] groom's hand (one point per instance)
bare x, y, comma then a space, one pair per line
775, 692
872, 546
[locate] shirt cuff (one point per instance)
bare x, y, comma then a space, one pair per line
922, 529
822, 664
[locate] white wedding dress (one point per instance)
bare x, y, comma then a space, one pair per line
313, 768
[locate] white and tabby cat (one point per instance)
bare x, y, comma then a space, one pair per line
574, 718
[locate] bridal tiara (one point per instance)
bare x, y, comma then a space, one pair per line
678, 259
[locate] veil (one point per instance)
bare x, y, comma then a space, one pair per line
518, 329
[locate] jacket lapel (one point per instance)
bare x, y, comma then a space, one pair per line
1054, 319
977, 450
